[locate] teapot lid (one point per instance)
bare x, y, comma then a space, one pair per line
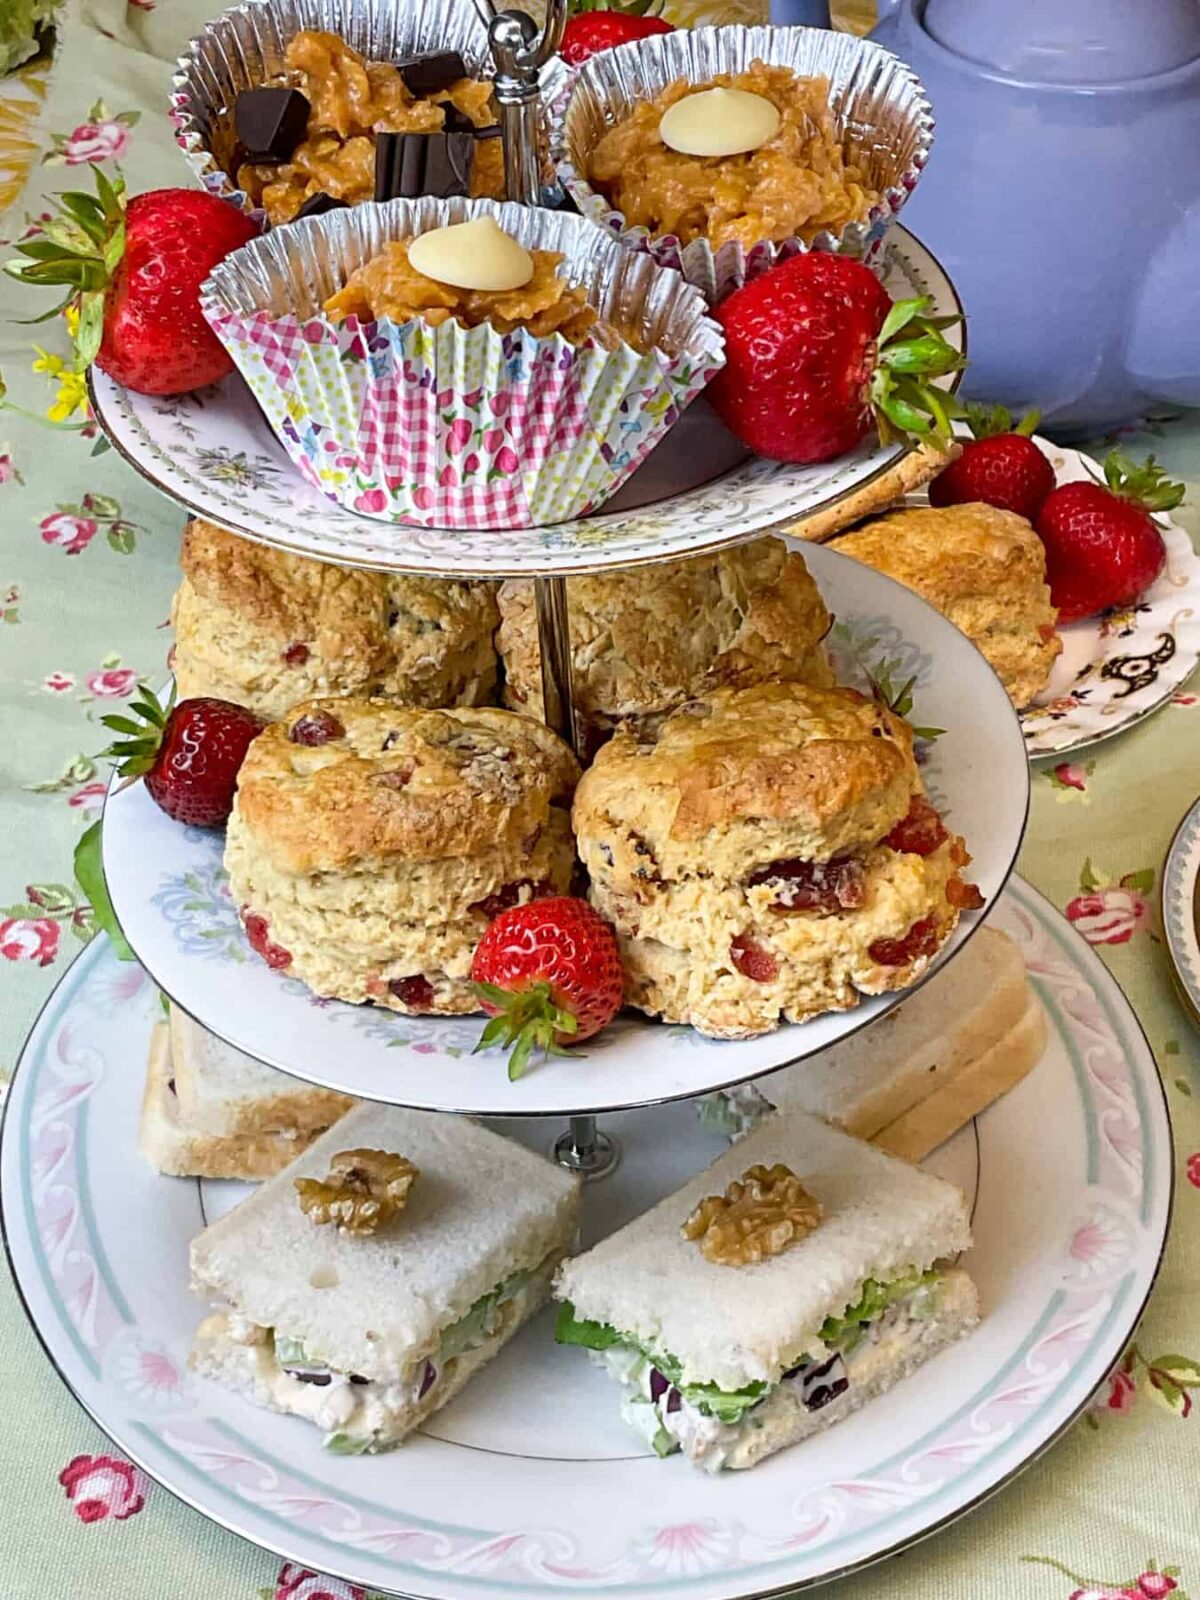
1069, 41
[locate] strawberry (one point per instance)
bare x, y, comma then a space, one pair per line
1102, 547
548, 973
815, 357
1001, 466
134, 270
190, 754
590, 31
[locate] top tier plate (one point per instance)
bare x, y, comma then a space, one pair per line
214, 452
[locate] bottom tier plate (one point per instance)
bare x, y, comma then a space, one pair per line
529, 1483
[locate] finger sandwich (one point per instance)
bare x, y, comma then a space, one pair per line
366, 1284
798, 1277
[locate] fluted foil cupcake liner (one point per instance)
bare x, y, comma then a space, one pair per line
879, 109
451, 427
243, 48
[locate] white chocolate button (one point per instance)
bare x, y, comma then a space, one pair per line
719, 122
472, 255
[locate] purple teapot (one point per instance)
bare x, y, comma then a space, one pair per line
1063, 193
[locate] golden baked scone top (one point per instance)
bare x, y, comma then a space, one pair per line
339, 784
643, 642
954, 551
776, 770
346, 612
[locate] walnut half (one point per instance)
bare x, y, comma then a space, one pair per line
759, 1215
364, 1190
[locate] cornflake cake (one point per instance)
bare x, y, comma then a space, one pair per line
371, 844
351, 100
984, 569
643, 643
266, 629
797, 183
769, 853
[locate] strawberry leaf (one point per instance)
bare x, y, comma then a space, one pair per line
89, 874
1147, 485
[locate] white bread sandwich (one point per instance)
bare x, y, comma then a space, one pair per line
732, 1359
939, 1059
367, 1333
208, 1111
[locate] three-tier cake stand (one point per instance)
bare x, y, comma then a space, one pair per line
529, 1484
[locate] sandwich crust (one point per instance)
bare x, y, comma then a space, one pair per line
985, 570
642, 644
267, 629
373, 860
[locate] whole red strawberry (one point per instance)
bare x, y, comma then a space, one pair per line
190, 754
814, 359
1102, 547
1001, 466
134, 271
548, 973
589, 32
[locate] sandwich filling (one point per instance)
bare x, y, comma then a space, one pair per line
719, 1427
361, 1414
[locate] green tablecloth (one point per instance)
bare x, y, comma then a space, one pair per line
88, 568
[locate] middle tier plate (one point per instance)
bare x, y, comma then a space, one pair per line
170, 893
214, 452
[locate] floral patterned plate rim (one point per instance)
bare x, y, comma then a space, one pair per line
1118, 668
1180, 884
1072, 1178
171, 897
214, 453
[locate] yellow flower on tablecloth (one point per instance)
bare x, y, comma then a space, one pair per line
71, 318
71, 397
51, 365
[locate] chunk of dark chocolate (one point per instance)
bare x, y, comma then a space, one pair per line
270, 122
456, 121
318, 204
435, 69
412, 164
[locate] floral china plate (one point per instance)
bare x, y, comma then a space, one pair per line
1070, 1175
214, 453
1117, 668
171, 897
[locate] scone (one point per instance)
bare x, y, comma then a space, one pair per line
644, 642
370, 844
267, 629
984, 569
769, 854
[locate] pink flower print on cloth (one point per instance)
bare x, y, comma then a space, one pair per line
103, 1488
297, 1583
71, 532
95, 141
112, 683
29, 939
1111, 913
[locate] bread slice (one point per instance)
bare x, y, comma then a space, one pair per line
868, 1081
481, 1210
971, 1090
733, 1326
222, 1091
172, 1146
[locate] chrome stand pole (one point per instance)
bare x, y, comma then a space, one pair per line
519, 51
586, 1149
